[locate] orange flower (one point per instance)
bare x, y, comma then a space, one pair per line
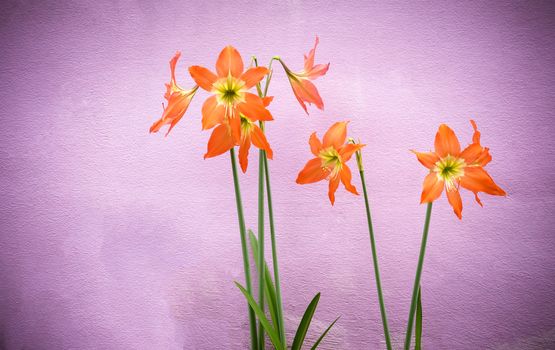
303, 88
222, 141
230, 100
178, 100
451, 168
330, 161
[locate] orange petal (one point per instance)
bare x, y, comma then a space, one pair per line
471, 153
203, 77
244, 153
315, 144
235, 124
312, 172
476, 179
212, 113
432, 188
305, 91
178, 102
309, 59
267, 100
454, 198
253, 75
173, 63
229, 62
336, 135
348, 150
253, 108
318, 70
334, 184
476, 135
346, 177
428, 159
446, 142
220, 141
260, 141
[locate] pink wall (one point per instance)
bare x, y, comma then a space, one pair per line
112, 238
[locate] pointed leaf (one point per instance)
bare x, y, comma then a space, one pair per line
323, 335
418, 324
269, 288
274, 336
305, 323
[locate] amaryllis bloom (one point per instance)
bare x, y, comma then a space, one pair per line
229, 86
178, 100
222, 140
330, 160
303, 88
451, 169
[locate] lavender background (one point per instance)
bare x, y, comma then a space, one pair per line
112, 238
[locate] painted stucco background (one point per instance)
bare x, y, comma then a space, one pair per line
112, 238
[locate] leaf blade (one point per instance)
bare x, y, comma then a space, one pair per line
323, 335
305, 323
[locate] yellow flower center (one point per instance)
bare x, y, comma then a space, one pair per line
246, 126
229, 91
450, 169
331, 160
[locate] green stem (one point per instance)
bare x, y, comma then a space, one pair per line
274, 253
375, 259
243, 232
416, 286
261, 262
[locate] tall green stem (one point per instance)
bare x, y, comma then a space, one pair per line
274, 253
261, 261
416, 286
374, 255
243, 232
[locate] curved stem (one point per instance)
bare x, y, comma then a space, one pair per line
261, 262
375, 260
274, 253
243, 233
418, 274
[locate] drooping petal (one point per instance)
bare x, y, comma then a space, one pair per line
253, 75
229, 62
212, 113
334, 184
336, 135
244, 153
260, 141
446, 142
454, 198
305, 91
318, 71
428, 159
220, 141
476, 179
432, 188
312, 172
348, 150
203, 77
346, 177
178, 102
315, 144
253, 108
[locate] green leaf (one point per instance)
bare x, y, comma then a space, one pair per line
418, 324
305, 323
323, 335
269, 288
274, 336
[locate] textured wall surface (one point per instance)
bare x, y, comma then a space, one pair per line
112, 238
